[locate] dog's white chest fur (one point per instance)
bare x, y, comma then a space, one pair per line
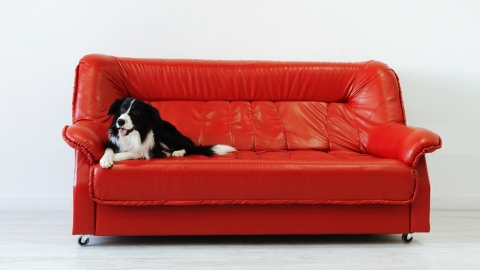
133, 144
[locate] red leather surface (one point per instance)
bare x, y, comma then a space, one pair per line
420, 207
253, 105
257, 125
83, 206
343, 133
301, 177
404, 143
369, 88
266, 125
88, 137
252, 219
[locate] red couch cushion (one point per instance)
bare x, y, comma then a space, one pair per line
265, 125
246, 177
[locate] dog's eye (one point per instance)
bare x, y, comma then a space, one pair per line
136, 112
122, 109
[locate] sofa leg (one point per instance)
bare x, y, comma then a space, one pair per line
407, 238
83, 240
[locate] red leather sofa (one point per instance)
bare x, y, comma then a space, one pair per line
323, 148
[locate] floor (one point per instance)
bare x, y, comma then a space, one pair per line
32, 240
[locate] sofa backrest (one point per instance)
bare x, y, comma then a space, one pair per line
252, 105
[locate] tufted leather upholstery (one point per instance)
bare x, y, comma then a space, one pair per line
307, 134
300, 177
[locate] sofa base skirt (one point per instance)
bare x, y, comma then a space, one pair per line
251, 220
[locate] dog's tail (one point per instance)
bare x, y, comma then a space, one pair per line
210, 150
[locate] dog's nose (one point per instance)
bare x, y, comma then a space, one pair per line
121, 122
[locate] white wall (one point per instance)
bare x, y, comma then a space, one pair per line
433, 46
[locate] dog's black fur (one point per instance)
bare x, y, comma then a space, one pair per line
145, 119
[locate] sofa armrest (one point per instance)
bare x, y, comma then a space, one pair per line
405, 143
88, 137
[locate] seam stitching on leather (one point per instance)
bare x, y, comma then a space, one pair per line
75, 91
283, 125
122, 72
328, 127
424, 151
400, 96
373, 112
253, 202
253, 127
75, 145
202, 122
232, 139
362, 147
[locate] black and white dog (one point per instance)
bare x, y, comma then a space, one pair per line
138, 131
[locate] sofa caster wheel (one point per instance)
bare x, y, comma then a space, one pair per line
407, 238
83, 240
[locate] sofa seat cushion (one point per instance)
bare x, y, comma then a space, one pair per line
246, 177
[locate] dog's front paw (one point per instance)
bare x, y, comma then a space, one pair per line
179, 153
107, 160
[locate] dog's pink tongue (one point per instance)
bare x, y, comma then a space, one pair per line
122, 132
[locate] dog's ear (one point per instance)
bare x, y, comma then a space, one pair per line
154, 115
115, 106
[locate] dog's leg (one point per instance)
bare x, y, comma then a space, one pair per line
107, 160
179, 153
126, 155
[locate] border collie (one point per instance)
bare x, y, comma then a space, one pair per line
138, 131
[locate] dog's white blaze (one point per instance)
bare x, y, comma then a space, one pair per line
130, 107
125, 116
222, 149
133, 143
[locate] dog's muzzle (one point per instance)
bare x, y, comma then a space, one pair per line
120, 122
125, 132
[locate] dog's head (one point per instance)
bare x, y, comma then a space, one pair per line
133, 114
